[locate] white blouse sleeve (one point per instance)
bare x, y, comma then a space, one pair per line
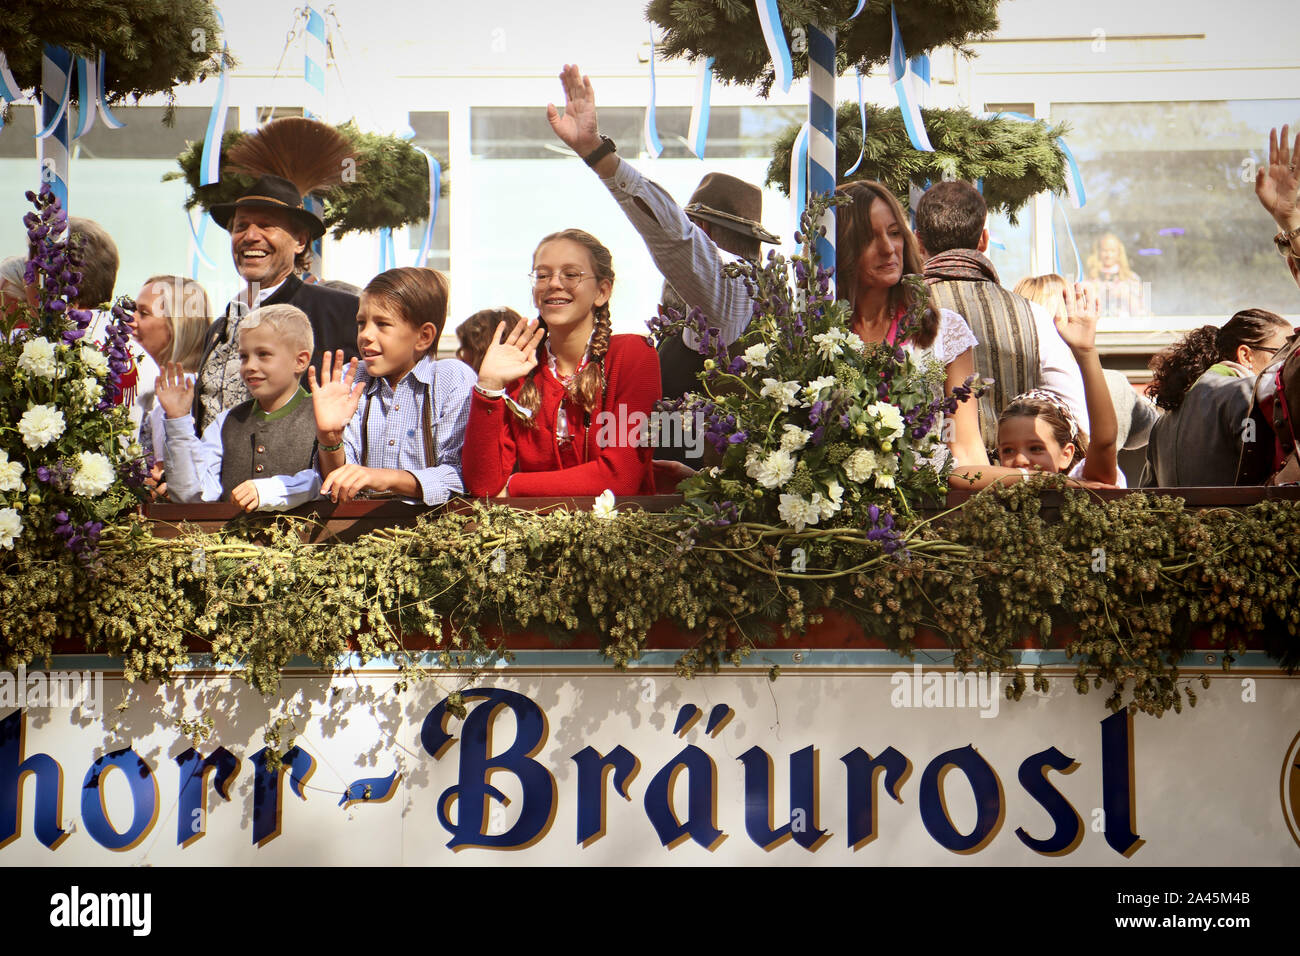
1077, 472
954, 336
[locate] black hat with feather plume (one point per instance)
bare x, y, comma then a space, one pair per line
292, 158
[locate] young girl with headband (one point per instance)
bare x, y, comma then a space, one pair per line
561, 404
1037, 433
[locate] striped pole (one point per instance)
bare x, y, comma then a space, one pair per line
313, 73
821, 136
52, 138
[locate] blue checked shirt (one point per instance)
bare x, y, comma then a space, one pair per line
395, 433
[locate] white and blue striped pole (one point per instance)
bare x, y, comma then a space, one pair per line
52, 138
821, 136
313, 72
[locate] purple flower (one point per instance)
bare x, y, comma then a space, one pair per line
724, 513
817, 412
883, 530
737, 365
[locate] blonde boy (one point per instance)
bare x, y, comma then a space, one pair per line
261, 454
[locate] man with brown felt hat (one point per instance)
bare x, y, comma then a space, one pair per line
723, 215
270, 239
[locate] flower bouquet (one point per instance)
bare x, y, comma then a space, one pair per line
814, 427
68, 457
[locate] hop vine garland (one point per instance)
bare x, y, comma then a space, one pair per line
729, 31
390, 189
1014, 160
986, 576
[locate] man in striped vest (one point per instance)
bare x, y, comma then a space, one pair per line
1018, 343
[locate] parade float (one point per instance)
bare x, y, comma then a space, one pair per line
814, 654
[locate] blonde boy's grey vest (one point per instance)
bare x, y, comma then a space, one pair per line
257, 445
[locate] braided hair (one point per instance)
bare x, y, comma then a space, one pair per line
1175, 370
588, 386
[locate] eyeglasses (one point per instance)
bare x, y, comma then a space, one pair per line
569, 278
1265, 348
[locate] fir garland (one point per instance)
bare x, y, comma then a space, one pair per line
152, 46
729, 31
390, 189
987, 576
1016, 160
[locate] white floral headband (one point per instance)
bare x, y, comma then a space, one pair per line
1051, 398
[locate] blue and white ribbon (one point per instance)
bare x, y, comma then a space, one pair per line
52, 139
85, 83
313, 74
9, 89
56, 75
821, 136
862, 116
920, 67
91, 96
649, 130
1074, 181
854, 14
313, 64
900, 75
698, 134
769, 18
197, 254
435, 187
387, 252
210, 164
101, 98
799, 174
1056, 244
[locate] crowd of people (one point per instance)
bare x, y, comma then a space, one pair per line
297, 389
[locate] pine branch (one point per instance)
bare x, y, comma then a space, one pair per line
1015, 160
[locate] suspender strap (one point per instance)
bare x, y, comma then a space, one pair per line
430, 448
430, 445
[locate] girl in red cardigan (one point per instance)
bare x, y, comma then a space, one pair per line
562, 406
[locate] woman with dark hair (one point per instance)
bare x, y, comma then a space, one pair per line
1205, 382
561, 406
875, 249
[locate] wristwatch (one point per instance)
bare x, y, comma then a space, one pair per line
600, 152
1282, 240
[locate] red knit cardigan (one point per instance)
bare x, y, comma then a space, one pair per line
498, 443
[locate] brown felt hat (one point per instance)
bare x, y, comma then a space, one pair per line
731, 203
271, 192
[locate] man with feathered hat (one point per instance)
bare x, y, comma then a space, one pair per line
270, 239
